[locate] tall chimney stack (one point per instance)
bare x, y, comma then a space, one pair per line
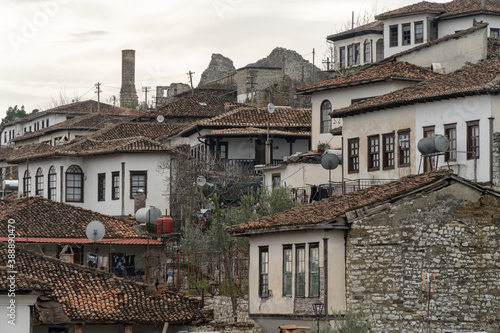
128, 94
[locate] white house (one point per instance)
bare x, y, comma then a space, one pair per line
381, 133
358, 46
102, 172
41, 120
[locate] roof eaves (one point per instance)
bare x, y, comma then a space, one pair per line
357, 33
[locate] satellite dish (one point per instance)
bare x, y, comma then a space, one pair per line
330, 161
95, 231
160, 118
270, 107
201, 181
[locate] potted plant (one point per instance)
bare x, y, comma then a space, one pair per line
322, 146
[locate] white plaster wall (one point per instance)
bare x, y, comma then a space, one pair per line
388, 50
157, 187
277, 304
379, 122
301, 175
21, 311
342, 97
471, 48
447, 27
459, 111
373, 38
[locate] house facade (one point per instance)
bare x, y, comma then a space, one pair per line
388, 128
103, 172
406, 243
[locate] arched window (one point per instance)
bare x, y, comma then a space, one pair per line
27, 183
52, 183
39, 182
326, 119
74, 184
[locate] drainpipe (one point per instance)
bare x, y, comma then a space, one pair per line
61, 185
491, 119
123, 190
325, 267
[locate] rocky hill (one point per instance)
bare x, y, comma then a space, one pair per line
218, 68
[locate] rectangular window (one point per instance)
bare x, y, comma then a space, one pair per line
353, 155
223, 150
393, 35
419, 32
287, 270
314, 270
404, 148
115, 185
350, 56
450, 131
472, 139
264, 271
494, 32
276, 180
429, 161
406, 29
367, 51
342, 57
138, 183
300, 271
101, 186
388, 159
373, 153
357, 53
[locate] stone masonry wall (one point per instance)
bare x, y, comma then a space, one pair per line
223, 320
454, 235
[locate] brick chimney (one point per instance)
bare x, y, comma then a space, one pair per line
128, 94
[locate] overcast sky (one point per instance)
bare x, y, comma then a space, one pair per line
54, 47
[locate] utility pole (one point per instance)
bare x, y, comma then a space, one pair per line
98, 91
145, 91
313, 66
191, 81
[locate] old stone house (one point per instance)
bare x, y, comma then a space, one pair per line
414, 254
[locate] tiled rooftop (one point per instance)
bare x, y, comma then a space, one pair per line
326, 210
84, 107
420, 7
121, 137
200, 105
374, 73
445, 10
39, 217
91, 122
372, 26
480, 78
461, 7
88, 296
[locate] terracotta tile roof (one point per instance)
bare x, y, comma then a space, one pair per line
481, 78
82, 108
396, 70
89, 296
372, 27
417, 8
456, 35
464, 7
114, 241
94, 121
282, 117
23, 282
248, 131
121, 137
325, 211
40, 217
308, 157
200, 105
